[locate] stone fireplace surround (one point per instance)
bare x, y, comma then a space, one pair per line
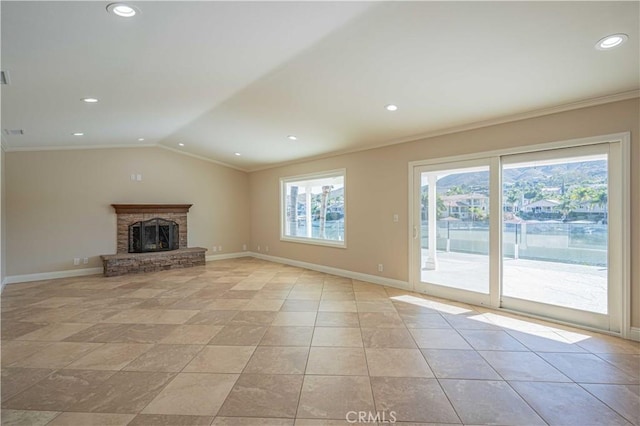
123, 262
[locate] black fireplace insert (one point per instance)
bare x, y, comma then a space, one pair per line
155, 234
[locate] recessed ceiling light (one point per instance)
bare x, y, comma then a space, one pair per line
611, 41
237, 154
292, 137
140, 139
391, 107
89, 100
78, 134
181, 144
122, 10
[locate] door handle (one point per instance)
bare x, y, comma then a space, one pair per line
415, 232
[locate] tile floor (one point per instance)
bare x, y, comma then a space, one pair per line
245, 341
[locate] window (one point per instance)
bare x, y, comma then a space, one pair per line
313, 208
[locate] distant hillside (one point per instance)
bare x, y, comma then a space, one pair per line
587, 172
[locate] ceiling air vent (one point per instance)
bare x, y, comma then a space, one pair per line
13, 132
4, 77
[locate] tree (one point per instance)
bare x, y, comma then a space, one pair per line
440, 206
323, 209
293, 228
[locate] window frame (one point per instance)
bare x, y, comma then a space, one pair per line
283, 208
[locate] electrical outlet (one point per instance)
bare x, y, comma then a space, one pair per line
76, 261
266, 248
133, 176
215, 249
85, 260
244, 247
380, 267
219, 248
258, 247
139, 177
396, 217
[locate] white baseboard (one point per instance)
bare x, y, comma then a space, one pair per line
14, 279
634, 334
212, 257
403, 285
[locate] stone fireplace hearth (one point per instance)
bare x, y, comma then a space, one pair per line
151, 237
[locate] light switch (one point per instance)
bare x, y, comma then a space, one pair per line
395, 217
138, 177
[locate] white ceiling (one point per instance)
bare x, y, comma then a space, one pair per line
226, 77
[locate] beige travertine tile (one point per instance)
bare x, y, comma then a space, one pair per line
587, 368
491, 340
438, 338
387, 338
125, 392
337, 319
251, 421
253, 318
15, 380
220, 359
58, 391
99, 333
111, 356
300, 305
14, 329
337, 306
91, 419
628, 363
332, 397
406, 396
16, 350
329, 361
459, 364
624, 399
196, 394
27, 418
300, 319
145, 333
287, 336
226, 304
262, 395
567, 404
523, 366
277, 360
380, 320
424, 321
217, 317
273, 305
167, 358
483, 402
337, 336
391, 362
146, 293
170, 420
57, 355
192, 334
239, 335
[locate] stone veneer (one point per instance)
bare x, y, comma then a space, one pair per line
124, 262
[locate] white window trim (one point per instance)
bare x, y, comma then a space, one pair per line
283, 208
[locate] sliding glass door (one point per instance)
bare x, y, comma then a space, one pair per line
453, 231
539, 232
555, 234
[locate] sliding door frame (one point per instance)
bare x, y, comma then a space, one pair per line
619, 253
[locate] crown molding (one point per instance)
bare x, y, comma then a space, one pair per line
586, 103
75, 147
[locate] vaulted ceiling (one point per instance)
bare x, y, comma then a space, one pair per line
240, 77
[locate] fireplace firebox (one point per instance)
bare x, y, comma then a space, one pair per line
156, 234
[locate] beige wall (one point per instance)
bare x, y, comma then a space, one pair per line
58, 203
3, 216
377, 187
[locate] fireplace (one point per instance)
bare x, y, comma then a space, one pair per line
150, 238
156, 234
